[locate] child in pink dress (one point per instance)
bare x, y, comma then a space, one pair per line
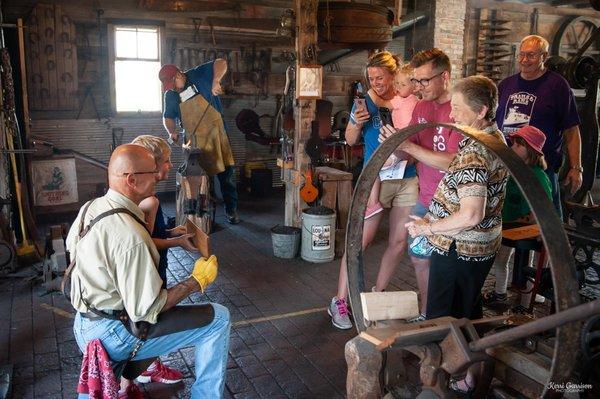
402, 106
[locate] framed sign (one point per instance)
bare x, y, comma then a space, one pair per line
309, 82
54, 182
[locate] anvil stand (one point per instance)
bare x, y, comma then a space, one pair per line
194, 192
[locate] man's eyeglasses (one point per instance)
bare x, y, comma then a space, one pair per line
140, 173
425, 82
529, 56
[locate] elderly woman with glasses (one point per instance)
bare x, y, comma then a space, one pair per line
464, 224
463, 227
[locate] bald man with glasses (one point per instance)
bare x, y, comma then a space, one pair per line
115, 278
538, 97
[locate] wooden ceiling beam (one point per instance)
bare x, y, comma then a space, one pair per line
207, 5
579, 3
522, 7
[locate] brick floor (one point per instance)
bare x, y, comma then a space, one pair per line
298, 357
293, 357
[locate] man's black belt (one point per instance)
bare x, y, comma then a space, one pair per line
104, 314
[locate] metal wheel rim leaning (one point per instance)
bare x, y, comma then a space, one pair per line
562, 264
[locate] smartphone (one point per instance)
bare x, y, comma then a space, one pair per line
386, 116
360, 103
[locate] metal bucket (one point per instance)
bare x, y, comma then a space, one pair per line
318, 235
286, 241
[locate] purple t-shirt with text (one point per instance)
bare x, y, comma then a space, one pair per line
546, 103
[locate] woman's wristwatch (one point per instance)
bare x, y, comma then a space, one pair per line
579, 168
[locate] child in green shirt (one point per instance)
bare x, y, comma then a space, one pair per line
527, 143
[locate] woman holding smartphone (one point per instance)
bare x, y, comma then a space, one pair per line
399, 195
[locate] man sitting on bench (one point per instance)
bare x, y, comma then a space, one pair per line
118, 294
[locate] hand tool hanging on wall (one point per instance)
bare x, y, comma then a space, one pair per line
197, 22
248, 122
315, 147
492, 56
87, 92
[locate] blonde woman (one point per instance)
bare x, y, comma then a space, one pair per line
399, 195
164, 239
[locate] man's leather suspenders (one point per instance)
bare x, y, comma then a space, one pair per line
139, 329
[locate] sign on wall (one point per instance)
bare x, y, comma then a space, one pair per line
54, 182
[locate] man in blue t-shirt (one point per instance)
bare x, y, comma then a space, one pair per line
204, 79
542, 98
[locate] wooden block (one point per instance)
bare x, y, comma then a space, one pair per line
389, 305
200, 239
522, 233
325, 173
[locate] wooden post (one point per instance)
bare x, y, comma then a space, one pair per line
304, 111
23, 79
397, 12
364, 363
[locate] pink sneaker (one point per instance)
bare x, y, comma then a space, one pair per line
131, 392
373, 210
158, 372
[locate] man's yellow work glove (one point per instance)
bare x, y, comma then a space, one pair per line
205, 271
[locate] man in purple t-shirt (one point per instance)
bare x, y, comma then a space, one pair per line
432, 148
542, 98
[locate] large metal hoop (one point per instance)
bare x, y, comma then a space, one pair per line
562, 265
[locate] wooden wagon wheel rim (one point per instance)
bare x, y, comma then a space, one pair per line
572, 34
562, 264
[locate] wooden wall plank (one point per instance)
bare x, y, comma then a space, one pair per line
60, 40
51, 66
32, 48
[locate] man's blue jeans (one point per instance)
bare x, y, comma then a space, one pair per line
211, 342
228, 189
555, 186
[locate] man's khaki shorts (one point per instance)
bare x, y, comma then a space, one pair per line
403, 192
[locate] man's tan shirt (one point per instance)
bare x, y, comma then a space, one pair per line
116, 262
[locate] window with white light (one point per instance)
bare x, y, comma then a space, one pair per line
136, 62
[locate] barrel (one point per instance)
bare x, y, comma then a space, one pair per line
286, 241
318, 234
342, 24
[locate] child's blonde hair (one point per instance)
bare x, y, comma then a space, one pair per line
157, 145
405, 69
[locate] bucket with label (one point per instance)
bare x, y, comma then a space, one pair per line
318, 234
